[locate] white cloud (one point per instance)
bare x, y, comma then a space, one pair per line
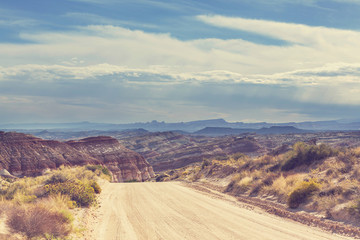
339, 81
98, 44
320, 37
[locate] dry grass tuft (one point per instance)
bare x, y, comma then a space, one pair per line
38, 221
40, 207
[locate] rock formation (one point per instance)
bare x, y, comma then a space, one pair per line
170, 150
26, 155
123, 163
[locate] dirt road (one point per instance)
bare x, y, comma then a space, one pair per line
170, 211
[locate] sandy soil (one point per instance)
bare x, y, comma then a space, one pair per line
170, 210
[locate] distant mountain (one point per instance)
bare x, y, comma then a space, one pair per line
222, 131
281, 130
219, 131
193, 126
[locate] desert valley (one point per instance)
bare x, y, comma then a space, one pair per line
179, 119
306, 177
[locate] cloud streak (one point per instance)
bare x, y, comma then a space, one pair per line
98, 44
294, 33
334, 84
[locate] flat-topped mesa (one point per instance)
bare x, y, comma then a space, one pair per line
125, 164
26, 155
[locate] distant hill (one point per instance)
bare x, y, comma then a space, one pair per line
222, 131
219, 131
68, 134
193, 126
281, 130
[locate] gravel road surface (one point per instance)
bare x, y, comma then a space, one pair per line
171, 211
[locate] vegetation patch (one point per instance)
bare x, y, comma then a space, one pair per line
132, 181
303, 153
354, 209
99, 169
96, 187
334, 194
302, 193
40, 207
83, 194
38, 221
161, 177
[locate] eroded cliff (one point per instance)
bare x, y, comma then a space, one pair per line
26, 155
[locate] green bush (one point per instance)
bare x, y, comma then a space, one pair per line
100, 168
95, 186
302, 193
83, 194
57, 178
303, 153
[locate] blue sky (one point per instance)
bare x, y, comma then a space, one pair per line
140, 60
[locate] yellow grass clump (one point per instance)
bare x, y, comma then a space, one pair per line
39, 208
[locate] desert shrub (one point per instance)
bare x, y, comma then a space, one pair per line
95, 186
161, 177
198, 175
332, 191
269, 179
302, 193
83, 194
132, 181
19, 187
205, 163
222, 158
238, 156
275, 185
37, 221
21, 198
242, 186
99, 168
185, 173
354, 209
239, 184
256, 189
57, 178
356, 151
57, 202
235, 179
303, 153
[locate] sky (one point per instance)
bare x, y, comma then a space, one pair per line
120, 61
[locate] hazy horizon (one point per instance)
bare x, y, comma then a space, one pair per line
163, 121
135, 61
